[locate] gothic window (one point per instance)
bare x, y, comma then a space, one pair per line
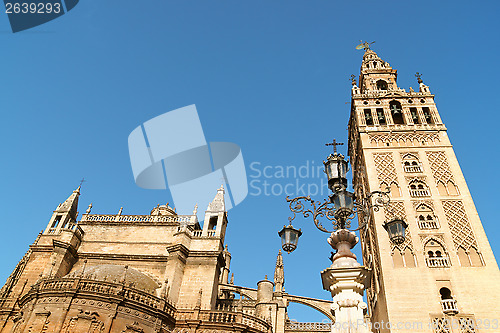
381, 116
435, 255
397, 258
414, 115
411, 164
469, 258
418, 189
427, 115
442, 188
447, 189
451, 188
56, 221
393, 189
396, 112
212, 223
381, 85
368, 117
403, 258
426, 218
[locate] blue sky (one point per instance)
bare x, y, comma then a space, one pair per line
271, 76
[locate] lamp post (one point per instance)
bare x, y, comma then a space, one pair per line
340, 207
346, 279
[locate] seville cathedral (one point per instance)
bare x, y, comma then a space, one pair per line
165, 272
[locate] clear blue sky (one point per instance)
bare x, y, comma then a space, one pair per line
271, 76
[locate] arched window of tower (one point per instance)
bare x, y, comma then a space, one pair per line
427, 115
436, 256
411, 164
426, 218
381, 85
396, 113
419, 189
445, 293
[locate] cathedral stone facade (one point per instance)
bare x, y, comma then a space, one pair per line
164, 272
160, 272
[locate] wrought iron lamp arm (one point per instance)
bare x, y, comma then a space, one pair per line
375, 200
297, 206
341, 219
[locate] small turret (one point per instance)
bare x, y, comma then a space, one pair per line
215, 216
422, 86
64, 217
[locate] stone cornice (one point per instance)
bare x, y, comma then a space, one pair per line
41, 248
66, 246
131, 257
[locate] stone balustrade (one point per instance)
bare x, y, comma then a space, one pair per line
103, 288
196, 233
449, 306
224, 317
70, 226
437, 262
419, 193
135, 218
412, 168
427, 224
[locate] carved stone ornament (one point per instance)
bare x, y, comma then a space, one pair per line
133, 328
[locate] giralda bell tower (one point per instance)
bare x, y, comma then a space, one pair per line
444, 273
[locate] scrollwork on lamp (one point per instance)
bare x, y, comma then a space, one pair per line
339, 209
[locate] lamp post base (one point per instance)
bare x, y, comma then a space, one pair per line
346, 280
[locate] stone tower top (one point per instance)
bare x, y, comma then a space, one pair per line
70, 206
376, 74
218, 204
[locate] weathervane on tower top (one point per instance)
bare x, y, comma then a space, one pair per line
353, 79
419, 77
364, 45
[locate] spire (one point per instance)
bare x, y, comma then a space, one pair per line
70, 206
371, 60
377, 75
65, 215
279, 274
218, 204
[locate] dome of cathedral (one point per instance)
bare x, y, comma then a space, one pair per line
116, 274
164, 210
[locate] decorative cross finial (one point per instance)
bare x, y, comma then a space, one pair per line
353, 79
364, 45
334, 144
418, 76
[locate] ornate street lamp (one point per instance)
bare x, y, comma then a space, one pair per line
336, 169
396, 229
340, 208
289, 238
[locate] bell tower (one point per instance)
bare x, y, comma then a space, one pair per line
443, 277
